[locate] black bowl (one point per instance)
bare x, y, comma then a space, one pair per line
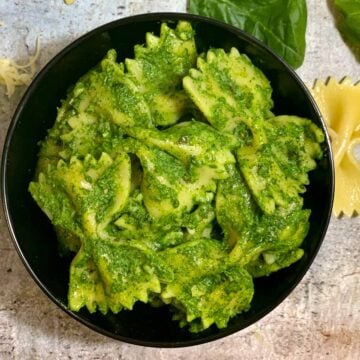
32, 232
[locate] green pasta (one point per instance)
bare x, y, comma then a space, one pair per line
169, 181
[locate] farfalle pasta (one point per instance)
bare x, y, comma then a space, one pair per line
339, 105
173, 182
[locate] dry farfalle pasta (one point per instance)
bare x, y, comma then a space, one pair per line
339, 105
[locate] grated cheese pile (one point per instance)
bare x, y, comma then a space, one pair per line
13, 74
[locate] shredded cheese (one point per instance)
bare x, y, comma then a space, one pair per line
13, 74
339, 105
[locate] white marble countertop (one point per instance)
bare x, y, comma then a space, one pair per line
321, 317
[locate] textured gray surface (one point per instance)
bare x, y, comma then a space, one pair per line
320, 319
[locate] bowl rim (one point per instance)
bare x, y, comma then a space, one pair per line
159, 17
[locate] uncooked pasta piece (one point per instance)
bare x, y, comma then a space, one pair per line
339, 105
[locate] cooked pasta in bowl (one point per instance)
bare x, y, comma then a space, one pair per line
174, 183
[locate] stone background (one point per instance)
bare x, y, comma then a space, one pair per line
319, 320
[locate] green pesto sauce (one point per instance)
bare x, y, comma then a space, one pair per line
173, 183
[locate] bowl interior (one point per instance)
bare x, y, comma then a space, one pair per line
32, 231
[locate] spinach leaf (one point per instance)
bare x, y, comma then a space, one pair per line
280, 24
349, 20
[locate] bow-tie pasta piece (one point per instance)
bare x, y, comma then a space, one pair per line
339, 105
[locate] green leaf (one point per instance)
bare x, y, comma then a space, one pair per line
349, 21
280, 24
